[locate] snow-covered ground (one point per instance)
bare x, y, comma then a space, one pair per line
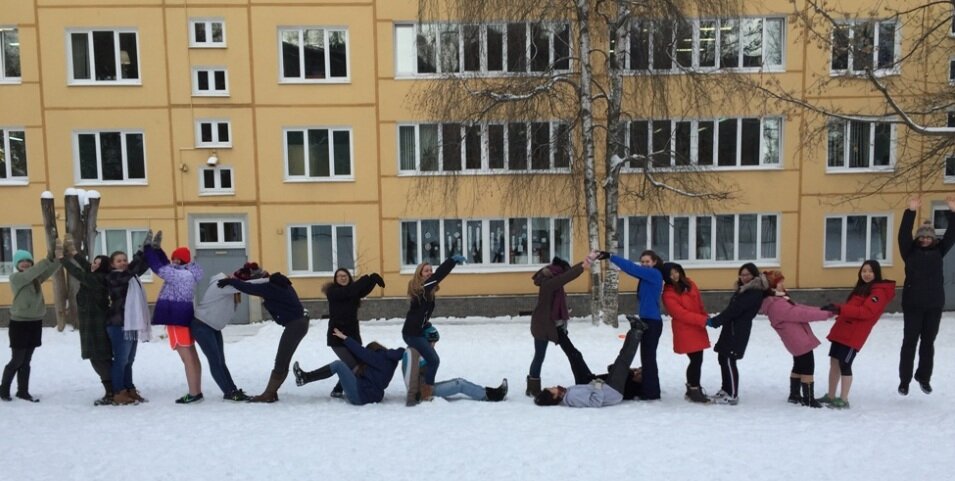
308, 435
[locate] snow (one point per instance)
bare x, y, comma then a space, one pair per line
308, 435
46, 194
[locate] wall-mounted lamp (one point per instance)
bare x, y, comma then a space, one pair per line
213, 159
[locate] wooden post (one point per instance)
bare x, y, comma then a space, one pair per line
76, 231
48, 206
91, 212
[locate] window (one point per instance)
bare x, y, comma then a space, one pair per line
213, 133
489, 49
122, 240
220, 233
210, 82
13, 239
718, 240
313, 54
319, 153
207, 33
321, 249
13, 155
867, 45
949, 170
854, 145
9, 55
115, 157
103, 57
854, 238
705, 44
504, 147
940, 217
486, 243
951, 71
728, 142
216, 181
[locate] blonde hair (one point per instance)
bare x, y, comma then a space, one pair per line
416, 284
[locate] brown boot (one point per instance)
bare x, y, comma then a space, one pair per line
136, 395
427, 392
270, 395
123, 398
533, 386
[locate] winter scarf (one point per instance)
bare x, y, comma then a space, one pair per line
136, 313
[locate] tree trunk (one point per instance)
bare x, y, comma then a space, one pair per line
91, 214
59, 282
76, 230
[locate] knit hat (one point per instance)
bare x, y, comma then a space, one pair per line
183, 254
20, 256
431, 334
927, 229
774, 278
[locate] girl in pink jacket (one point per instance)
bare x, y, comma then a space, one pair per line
791, 322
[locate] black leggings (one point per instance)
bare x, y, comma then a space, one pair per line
804, 364
288, 343
103, 369
919, 332
18, 366
730, 374
694, 369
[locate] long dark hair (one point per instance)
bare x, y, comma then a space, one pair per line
749, 267
329, 285
681, 285
863, 288
105, 265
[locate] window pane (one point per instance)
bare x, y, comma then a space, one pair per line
220, 80
517, 146
773, 42
6, 251
453, 238
939, 219
495, 146
450, 45
752, 42
727, 143
472, 147
682, 143
318, 155
562, 238
770, 144
684, 43
431, 241
17, 155
859, 139
231, 232
497, 235
295, 146
223, 131
429, 147
406, 147
205, 132
639, 45
833, 240
111, 153
337, 54
342, 147
886, 45
540, 145
747, 237
704, 146
749, 143
208, 178
11, 52
729, 43
707, 49
314, 51
104, 55
427, 49
200, 31
660, 231
639, 142
660, 150
950, 167
767, 226
475, 242
81, 56
322, 248
128, 55
862, 46
404, 49
837, 144
725, 231
856, 238
540, 47
621, 236
681, 238
516, 47
878, 238
495, 48
637, 236
24, 239
840, 48
518, 232
299, 248
883, 145
291, 49
202, 80
662, 45
208, 232
472, 48
451, 146
116, 241
409, 243
135, 156
562, 47
562, 149
225, 178
217, 36
345, 247
704, 238
540, 240
88, 158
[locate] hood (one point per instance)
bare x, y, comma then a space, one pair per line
279, 279
758, 283
884, 288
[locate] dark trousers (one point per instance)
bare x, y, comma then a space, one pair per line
124, 354
582, 373
804, 364
620, 371
421, 344
648, 359
103, 368
210, 341
693, 371
920, 324
730, 374
292, 336
540, 350
18, 366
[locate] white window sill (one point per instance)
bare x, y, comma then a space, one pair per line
854, 265
346, 80
214, 94
105, 83
216, 193
11, 81
857, 74
208, 45
312, 180
705, 264
220, 245
14, 182
441, 75
948, 180
860, 170
213, 145
130, 183
407, 173
707, 168
707, 70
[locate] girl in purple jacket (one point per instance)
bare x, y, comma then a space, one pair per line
791, 322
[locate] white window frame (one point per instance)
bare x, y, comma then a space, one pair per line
216, 143
217, 188
207, 26
939, 206
326, 30
334, 239
846, 132
506, 265
5, 149
99, 161
331, 157
71, 80
878, 72
210, 72
889, 222
14, 247
220, 232
946, 178
951, 70
3, 59
130, 247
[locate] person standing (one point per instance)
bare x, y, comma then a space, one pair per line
26, 318
128, 320
344, 298
452, 387
923, 294
688, 318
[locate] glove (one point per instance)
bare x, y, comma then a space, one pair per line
148, 241
222, 283
603, 255
157, 241
831, 308
377, 279
458, 259
709, 322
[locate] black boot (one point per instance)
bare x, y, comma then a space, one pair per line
338, 391
302, 377
494, 394
23, 384
794, 396
533, 386
636, 323
5, 383
808, 396
107, 398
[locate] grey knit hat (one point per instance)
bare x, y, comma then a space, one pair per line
927, 229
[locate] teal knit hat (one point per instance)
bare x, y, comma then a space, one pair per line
20, 256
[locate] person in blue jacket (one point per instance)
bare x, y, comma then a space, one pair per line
367, 383
649, 289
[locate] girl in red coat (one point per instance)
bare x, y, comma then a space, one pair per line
854, 322
688, 319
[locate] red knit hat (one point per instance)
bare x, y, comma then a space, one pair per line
183, 254
774, 277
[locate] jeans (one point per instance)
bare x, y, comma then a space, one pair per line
420, 344
648, 359
210, 341
348, 381
459, 385
348, 358
920, 324
124, 353
540, 350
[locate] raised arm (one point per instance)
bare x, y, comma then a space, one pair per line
39, 272
363, 286
156, 259
905, 230
78, 268
636, 270
261, 290
138, 265
440, 273
558, 281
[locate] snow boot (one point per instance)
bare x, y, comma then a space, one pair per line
924, 385
5, 383
189, 399
427, 392
904, 389
636, 323
304, 377
270, 395
533, 386
695, 394
794, 387
124, 398
107, 398
136, 395
808, 396
495, 394
23, 384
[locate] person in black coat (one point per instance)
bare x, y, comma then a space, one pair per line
344, 298
923, 294
737, 323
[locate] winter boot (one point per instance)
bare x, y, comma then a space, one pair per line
270, 395
427, 392
794, 386
695, 394
136, 395
533, 386
495, 394
124, 398
107, 398
636, 323
338, 392
904, 389
924, 385
304, 377
189, 399
808, 396
23, 385
5, 383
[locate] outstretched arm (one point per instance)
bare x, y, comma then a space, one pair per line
905, 229
563, 278
440, 273
949, 240
636, 270
261, 290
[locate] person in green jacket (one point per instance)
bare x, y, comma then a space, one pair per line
92, 302
26, 318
